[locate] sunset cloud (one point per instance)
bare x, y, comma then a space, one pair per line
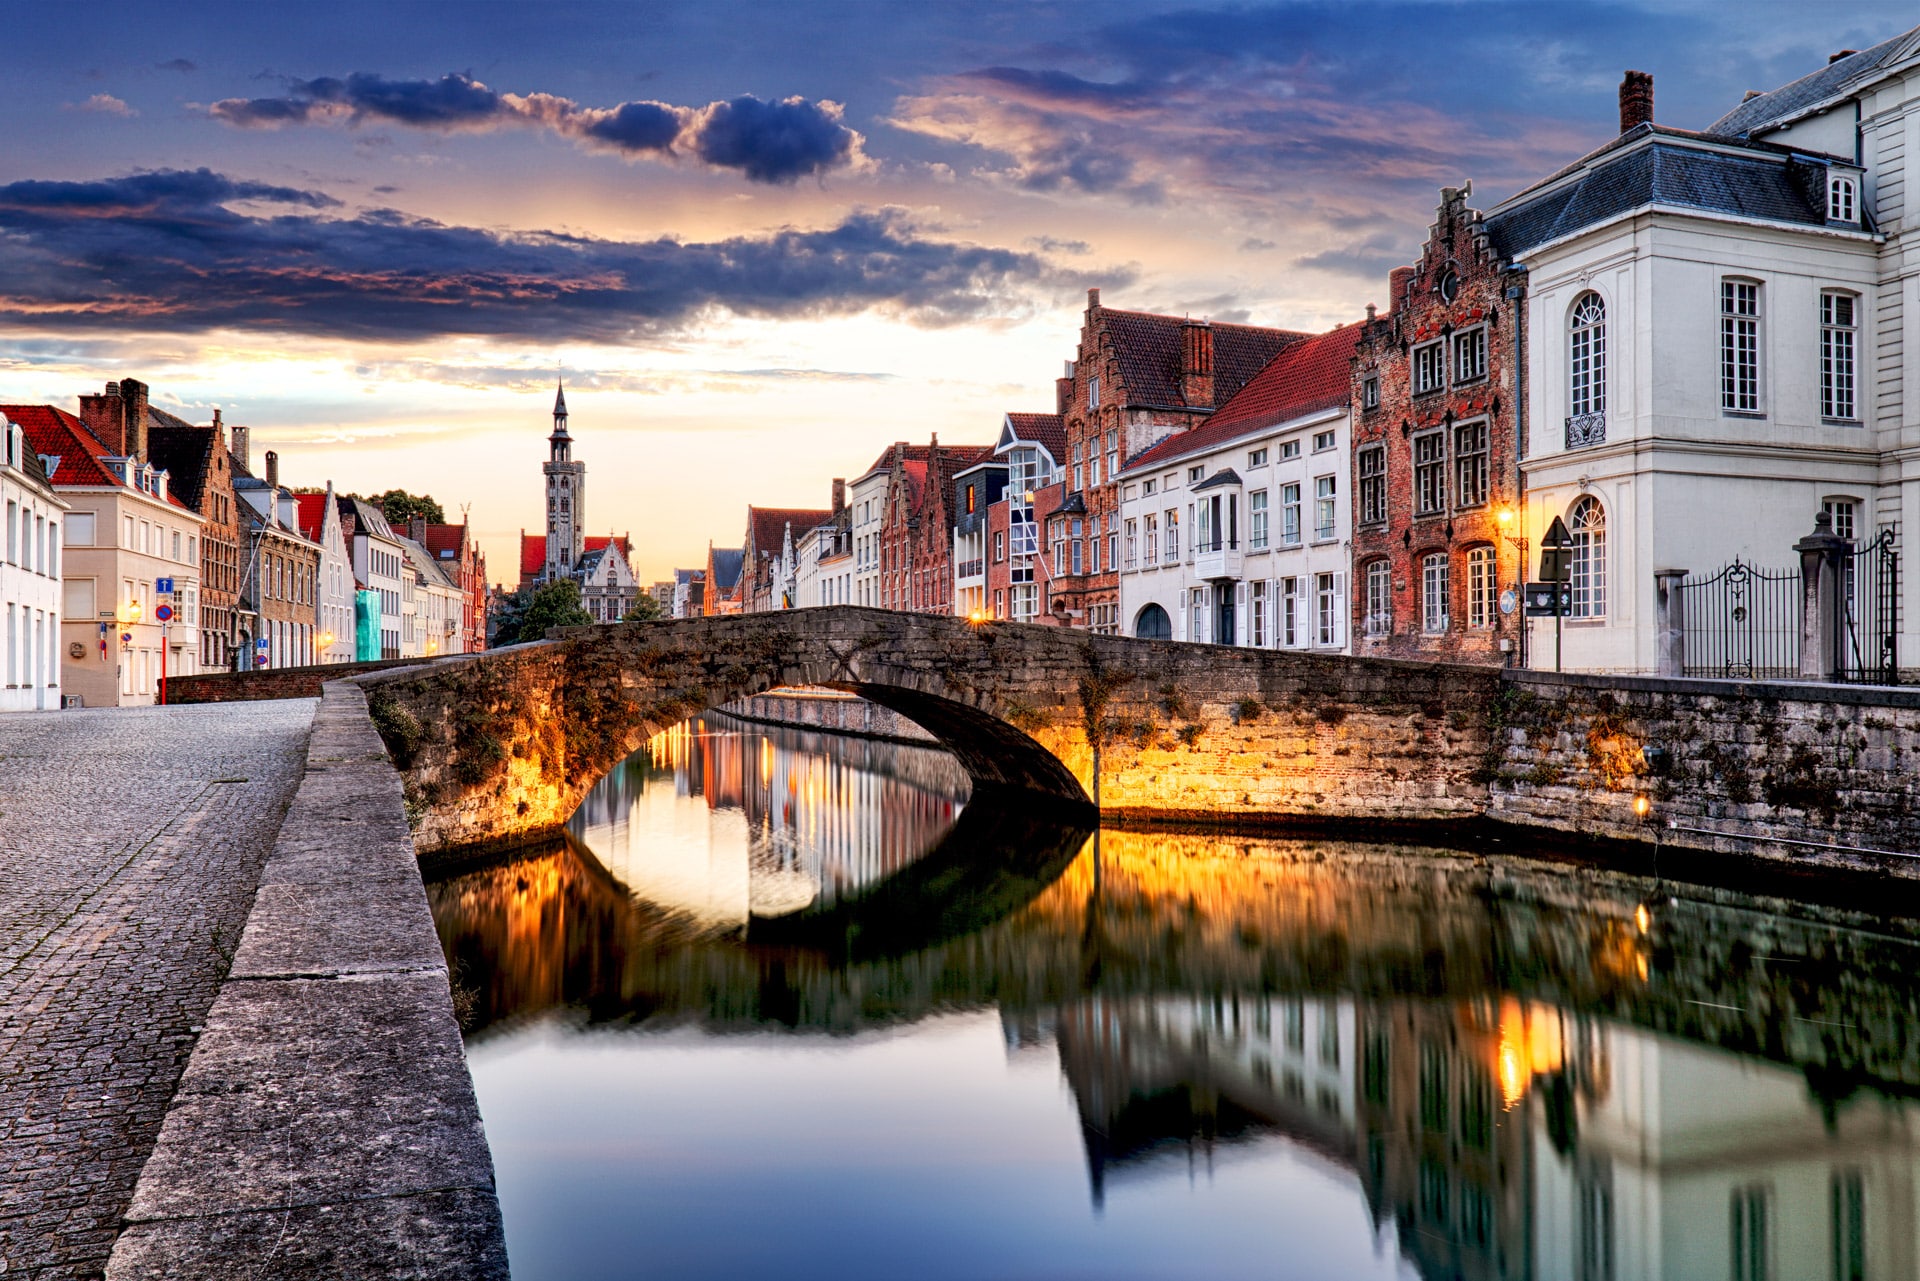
169, 251
770, 142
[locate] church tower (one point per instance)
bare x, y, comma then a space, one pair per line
566, 497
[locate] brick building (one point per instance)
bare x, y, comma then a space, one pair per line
767, 570
916, 534
1137, 378
719, 583
1032, 446
200, 465
281, 587
457, 552
1435, 459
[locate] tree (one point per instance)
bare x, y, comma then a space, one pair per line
645, 610
399, 507
528, 613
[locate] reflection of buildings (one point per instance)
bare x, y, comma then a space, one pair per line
791, 818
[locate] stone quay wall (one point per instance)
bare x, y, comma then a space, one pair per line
326, 1124
270, 682
831, 712
1816, 775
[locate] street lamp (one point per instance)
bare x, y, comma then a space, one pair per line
1509, 519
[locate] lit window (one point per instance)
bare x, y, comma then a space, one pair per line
1740, 346
1480, 587
1839, 339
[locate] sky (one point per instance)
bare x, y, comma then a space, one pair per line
760, 241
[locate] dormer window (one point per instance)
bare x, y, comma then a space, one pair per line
1843, 203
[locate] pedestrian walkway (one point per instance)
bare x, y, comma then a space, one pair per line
131, 842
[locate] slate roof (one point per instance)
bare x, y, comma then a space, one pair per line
726, 567
185, 450
365, 517
1829, 82
1147, 348
1310, 375
1655, 164
1049, 431
423, 564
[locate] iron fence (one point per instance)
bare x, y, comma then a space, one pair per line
1743, 623
1867, 649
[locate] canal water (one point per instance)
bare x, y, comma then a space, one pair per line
784, 1005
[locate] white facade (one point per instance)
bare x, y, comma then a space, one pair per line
334, 643
30, 585
868, 496
437, 602
380, 566
1242, 542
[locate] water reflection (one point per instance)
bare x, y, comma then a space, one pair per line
1295, 1058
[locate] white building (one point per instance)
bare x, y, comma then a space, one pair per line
1238, 532
867, 496
1724, 341
380, 566
437, 601
30, 587
608, 586
318, 519
1034, 447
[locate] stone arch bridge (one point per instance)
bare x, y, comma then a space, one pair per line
501, 746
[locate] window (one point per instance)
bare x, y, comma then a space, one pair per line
1079, 467
999, 546
80, 530
1196, 473
1150, 539
1373, 484
1587, 361
1470, 465
1379, 621
1430, 473
1289, 449
1470, 355
1838, 341
1289, 612
1257, 520
1842, 202
1449, 285
1146, 489
1748, 1217
1324, 494
1262, 633
1849, 1220
1323, 441
1113, 452
969, 500
1093, 392
80, 598
1588, 524
1429, 368
1197, 614
1327, 590
1480, 587
1370, 392
1433, 592
1133, 543
1740, 346
1173, 536
1257, 458
1290, 515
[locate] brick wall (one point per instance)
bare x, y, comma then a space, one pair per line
280, 682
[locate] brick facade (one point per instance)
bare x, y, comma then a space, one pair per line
1435, 458
916, 540
202, 463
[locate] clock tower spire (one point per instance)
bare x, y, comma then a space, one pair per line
566, 497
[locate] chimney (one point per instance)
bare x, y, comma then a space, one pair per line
241, 453
134, 394
1196, 363
1844, 53
1636, 100
106, 417
416, 523
273, 470
839, 495
1397, 281
1062, 395
1093, 299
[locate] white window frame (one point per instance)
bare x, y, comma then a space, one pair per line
1436, 592
1429, 368
1587, 522
1843, 198
1741, 315
1839, 355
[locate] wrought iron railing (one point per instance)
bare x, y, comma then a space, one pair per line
1586, 429
1869, 615
1743, 623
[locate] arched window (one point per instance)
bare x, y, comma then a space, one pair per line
1153, 624
1588, 524
1587, 371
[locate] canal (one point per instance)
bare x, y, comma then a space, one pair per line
784, 1005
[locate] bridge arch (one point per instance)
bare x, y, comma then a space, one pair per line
500, 747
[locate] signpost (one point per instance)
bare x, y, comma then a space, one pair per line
1553, 594
163, 612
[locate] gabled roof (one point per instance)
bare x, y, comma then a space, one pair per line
1653, 164
533, 554
726, 563
185, 450
594, 542
423, 564
446, 541
1309, 376
918, 452
59, 435
1829, 83
310, 513
1147, 347
366, 517
769, 524
1049, 431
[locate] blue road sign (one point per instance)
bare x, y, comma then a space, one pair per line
163, 613
164, 586
261, 644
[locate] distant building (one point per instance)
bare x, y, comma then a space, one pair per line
318, 518
457, 552
767, 575
380, 569
608, 588
439, 604
201, 462
689, 597
976, 489
723, 580
30, 583
280, 589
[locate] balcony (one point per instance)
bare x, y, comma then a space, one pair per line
1586, 429
975, 568
1216, 560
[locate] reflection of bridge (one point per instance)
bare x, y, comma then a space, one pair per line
1487, 1046
504, 744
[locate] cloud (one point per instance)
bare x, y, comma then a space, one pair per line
1048, 244
770, 142
1256, 245
168, 251
104, 104
1370, 256
176, 64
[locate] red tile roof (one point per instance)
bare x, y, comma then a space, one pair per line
1147, 347
310, 513
1049, 431
596, 541
533, 554
768, 525
442, 539
906, 451
1310, 375
58, 434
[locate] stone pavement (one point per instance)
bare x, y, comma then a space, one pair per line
131, 843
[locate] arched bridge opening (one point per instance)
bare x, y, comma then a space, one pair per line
500, 747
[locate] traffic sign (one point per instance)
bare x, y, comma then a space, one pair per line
164, 586
1549, 600
261, 644
163, 612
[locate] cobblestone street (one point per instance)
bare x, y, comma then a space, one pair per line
131, 842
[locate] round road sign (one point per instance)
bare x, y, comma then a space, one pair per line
163, 613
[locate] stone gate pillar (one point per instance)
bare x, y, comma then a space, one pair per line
1670, 609
1820, 554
